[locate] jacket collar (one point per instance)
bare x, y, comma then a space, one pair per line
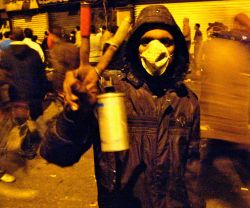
17, 42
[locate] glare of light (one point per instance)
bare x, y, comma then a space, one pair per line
244, 37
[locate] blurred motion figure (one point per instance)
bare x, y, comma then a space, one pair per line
224, 99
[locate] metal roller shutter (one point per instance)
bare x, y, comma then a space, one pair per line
64, 19
38, 23
69, 20
205, 12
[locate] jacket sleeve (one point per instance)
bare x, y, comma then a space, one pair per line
193, 164
68, 137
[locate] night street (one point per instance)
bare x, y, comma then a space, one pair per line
40, 184
151, 96
43, 185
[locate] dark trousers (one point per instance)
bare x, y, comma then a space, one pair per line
30, 145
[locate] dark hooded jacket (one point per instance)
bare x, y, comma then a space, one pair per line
26, 76
160, 169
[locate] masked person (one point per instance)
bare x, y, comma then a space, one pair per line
161, 167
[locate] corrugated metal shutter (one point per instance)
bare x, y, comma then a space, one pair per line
205, 12
38, 23
64, 19
68, 20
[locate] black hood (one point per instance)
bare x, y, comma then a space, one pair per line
158, 17
20, 51
27, 75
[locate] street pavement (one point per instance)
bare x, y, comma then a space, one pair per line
40, 184
43, 185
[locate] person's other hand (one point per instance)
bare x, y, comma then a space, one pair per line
80, 85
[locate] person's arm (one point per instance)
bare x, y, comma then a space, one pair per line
195, 37
76, 128
69, 136
186, 31
192, 170
41, 53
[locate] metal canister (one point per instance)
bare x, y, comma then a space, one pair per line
112, 119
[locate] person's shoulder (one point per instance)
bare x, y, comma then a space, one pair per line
16, 48
184, 91
3, 42
32, 54
192, 95
34, 45
192, 99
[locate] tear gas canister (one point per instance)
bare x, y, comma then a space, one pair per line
112, 121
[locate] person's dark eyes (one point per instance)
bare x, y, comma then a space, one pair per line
167, 42
145, 41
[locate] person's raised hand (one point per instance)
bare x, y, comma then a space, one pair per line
80, 85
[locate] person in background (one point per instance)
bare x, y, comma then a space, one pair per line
35, 39
28, 33
5, 26
105, 35
197, 42
22, 70
72, 37
78, 36
95, 46
241, 28
55, 36
44, 46
28, 84
161, 167
242, 21
45, 41
6, 40
186, 30
63, 56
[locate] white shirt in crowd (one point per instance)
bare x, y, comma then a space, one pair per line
78, 39
34, 46
95, 47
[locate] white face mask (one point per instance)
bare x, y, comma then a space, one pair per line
155, 58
